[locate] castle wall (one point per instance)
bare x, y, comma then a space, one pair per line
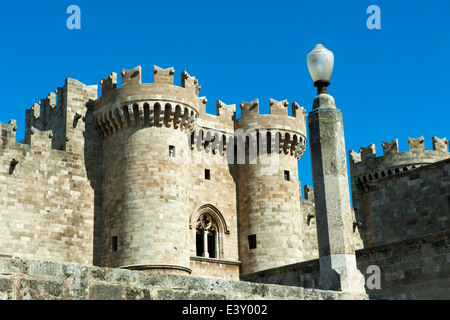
411, 204
215, 193
309, 228
49, 198
417, 268
410, 269
301, 274
47, 115
219, 192
215, 268
400, 195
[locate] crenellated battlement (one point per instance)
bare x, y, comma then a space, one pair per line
8, 132
290, 129
366, 167
213, 133
131, 77
227, 111
163, 76
190, 83
60, 111
278, 116
39, 141
162, 104
43, 113
138, 104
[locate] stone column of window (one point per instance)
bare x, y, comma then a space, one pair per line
216, 249
205, 244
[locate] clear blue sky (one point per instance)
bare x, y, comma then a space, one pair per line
389, 83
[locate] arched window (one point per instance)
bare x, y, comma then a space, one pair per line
209, 228
206, 237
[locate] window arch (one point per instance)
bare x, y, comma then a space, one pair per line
206, 237
209, 227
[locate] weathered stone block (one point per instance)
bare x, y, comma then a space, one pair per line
105, 291
7, 288
137, 293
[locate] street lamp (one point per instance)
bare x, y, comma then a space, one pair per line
320, 65
335, 239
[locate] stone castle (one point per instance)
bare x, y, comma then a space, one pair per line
142, 178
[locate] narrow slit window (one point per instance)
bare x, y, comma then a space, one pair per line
172, 151
252, 242
114, 244
207, 174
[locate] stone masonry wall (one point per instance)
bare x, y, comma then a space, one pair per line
49, 197
400, 187
152, 199
47, 203
215, 195
270, 227
411, 204
145, 201
309, 228
269, 209
410, 269
39, 280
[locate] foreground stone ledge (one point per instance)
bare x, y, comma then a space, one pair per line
42, 280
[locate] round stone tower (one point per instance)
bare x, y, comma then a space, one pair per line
268, 186
145, 213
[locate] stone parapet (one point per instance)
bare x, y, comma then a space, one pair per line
291, 130
40, 280
137, 104
366, 167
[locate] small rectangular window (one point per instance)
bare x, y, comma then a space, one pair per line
252, 242
207, 174
286, 175
172, 151
114, 244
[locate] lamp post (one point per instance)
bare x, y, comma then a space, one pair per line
320, 65
338, 270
